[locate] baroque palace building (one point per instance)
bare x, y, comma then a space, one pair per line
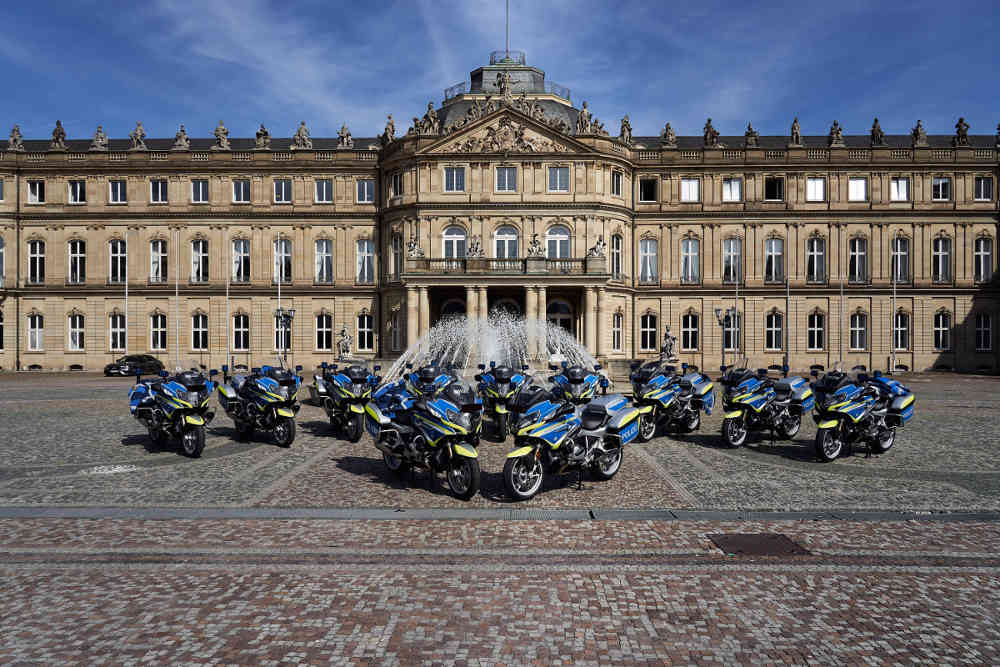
811, 249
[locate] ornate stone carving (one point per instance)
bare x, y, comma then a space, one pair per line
795, 141
836, 137
389, 135
344, 344
475, 249
221, 138
138, 137
711, 136
878, 136
413, 249
181, 140
919, 135
751, 139
625, 134
429, 124
669, 345
669, 136
503, 83
507, 137
998, 135
535, 248
100, 140
16, 141
58, 138
301, 140
263, 139
961, 133
599, 249
344, 138
583, 120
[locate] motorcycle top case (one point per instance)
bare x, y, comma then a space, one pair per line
622, 419
799, 393
701, 389
901, 409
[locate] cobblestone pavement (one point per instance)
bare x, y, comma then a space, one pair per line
68, 440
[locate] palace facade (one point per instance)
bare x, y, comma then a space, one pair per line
811, 248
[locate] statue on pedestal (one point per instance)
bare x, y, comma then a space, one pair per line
751, 138
58, 138
345, 140
626, 131
796, 138
16, 141
413, 249
181, 140
669, 137
669, 345
221, 138
138, 137
878, 136
390, 132
344, 344
919, 135
263, 140
836, 137
961, 133
599, 248
100, 140
583, 120
301, 140
535, 248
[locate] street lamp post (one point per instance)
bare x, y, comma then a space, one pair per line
721, 317
285, 316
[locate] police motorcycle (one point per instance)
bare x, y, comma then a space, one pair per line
576, 384
264, 399
758, 402
174, 407
434, 427
343, 394
855, 408
499, 389
668, 399
427, 381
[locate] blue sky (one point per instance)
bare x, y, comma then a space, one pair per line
167, 62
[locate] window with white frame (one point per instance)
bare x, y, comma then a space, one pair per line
506, 179
732, 261
647, 189
241, 260
241, 191
557, 242
118, 264
617, 321
616, 255
324, 191
77, 261
732, 189
282, 191
396, 184
282, 334
324, 261
397, 255
75, 339
649, 253
282, 261
900, 265
1, 199
366, 333
199, 190
942, 331
857, 261
36, 192
241, 332
36, 262
690, 189
774, 260
117, 332
365, 262
689, 332
324, 332
453, 242
857, 189
616, 183
366, 191
647, 332
774, 188
941, 189
901, 331
199, 331
1, 330
815, 189
77, 192
36, 332
3, 259
158, 191
199, 261
773, 335
690, 261
815, 331
558, 179
859, 332
158, 331
395, 331
118, 191
941, 259
731, 332
983, 259
816, 260
984, 332
158, 261
983, 188
506, 243
454, 179
899, 189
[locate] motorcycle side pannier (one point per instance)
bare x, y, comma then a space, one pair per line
800, 395
900, 410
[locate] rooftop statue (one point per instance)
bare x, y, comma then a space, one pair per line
711, 136
626, 131
878, 136
301, 140
503, 83
836, 137
16, 141
221, 138
345, 140
263, 140
796, 138
429, 124
100, 140
58, 138
961, 133
669, 137
583, 120
752, 137
181, 140
138, 137
390, 132
919, 135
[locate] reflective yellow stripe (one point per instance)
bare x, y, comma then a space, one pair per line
501, 410
467, 452
284, 412
733, 414
645, 409
519, 452
707, 388
371, 411
908, 400
631, 415
828, 424
356, 408
194, 419
807, 393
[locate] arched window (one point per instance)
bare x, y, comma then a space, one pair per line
900, 268
647, 332
648, 260
324, 332
617, 322
36, 332
984, 331
558, 242
77, 261
3, 255
36, 262
397, 256
774, 260
773, 331
616, 256
324, 261
366, 333
158, 331
560, 313
241, 332
118, 256
395, 330
75, 330
454, 242
506, 243
859, 331
983, 259
731, 332
815, 331
452, 307
901, 331
158, 261
116, 329
283, 260
942, 331
690, 270
241, 260
732, 261
199, 331
365, 261
199, 261
857, 263
1, 330
689, 332
941, 259
816, 260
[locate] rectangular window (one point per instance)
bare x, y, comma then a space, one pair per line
857, 264
732, 189
616, 331
774, 188
282, 334
900, 265
241, 332
899, 189
158, 191
241, 191
941, 260
732, 269
506, 179
558, 179
158, 261
773, 331
857, 189
396, 331
648, 260
690, 264
36, 332
816, 189
1, 199
984, 332
282, 261
324, 191
942, 331
366, 333
901, 331
365, 262
282, 191
396, 184
199, 261
158, 331
616, 256
77, 262
454, 179
324, 332
36, 262
118, 266
774, 260
36, 192
731, 332
941, 189
199, 331
647, 189
984, 188
241, 260
859, 332
117, 332
324, 261
199, 191
690, 189
366, 191
616, 183
689, 332
815, 332
816, 260
75, 338
117, 192
647, 332
397, 254
983, 258
78, 192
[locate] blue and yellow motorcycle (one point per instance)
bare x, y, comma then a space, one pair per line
759, 402
499, 388
344, 394
576, 384
266, 399
669, 400
174, 407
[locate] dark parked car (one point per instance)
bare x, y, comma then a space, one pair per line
128, 365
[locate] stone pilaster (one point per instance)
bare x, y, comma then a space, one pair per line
425, 311
602, 322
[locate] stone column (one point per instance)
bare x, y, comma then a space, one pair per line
425, 311
484, 306
530, 313
602, 322
412, 317
542, 311
589, 323
471, 302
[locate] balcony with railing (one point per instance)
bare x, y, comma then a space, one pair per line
493, 266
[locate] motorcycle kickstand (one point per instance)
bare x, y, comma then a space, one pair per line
579, 479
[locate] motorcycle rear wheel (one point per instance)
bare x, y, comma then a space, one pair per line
734, 430
463, 477
647, 427
523, 477
789, 427
828, 444
284, 432
885, 442
193, 441
158, 437
243, 430
608, 465
396, 464
692, 423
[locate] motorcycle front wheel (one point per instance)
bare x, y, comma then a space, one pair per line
354, 427
396, 464
523, 477
691, 423
158, 437
647, 427
606, 466
789, 427
885, 441
463, 477
501, 425
828, 444
734, 430
243, 430
284, 431
193, 441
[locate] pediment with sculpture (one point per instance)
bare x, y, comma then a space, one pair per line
506, 133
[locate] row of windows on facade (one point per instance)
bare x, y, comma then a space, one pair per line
506, 238
774, 332
159, 191
506, 180
816, 191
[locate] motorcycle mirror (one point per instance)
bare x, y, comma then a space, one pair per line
333, 367
322, 365
634, 365
202, 366
604, 383
814, 373
524, 367
565, 364
164, 374
684, 367
482, 367
862, 377
213, 372
722, 368
255, 370
493, 364
597, 367
298, 369
877, 374
553, 367
377, 368
478, 377
225, 368
409, 366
